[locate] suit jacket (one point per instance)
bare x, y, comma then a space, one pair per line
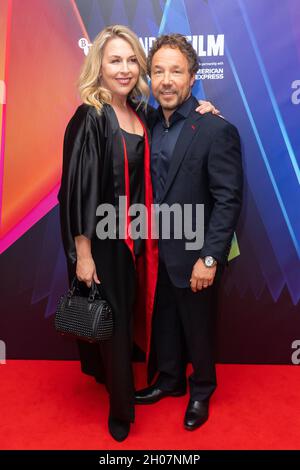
205, 168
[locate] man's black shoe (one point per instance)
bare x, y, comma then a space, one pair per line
154, 393
196, 414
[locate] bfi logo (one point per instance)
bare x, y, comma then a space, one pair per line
211, 45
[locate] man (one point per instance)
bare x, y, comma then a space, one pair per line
195, 159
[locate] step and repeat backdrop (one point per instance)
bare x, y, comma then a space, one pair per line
249, 57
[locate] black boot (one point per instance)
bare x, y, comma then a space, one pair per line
119, 429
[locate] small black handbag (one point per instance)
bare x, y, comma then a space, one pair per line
86, 318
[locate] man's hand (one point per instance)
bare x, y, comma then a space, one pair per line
202, 276
207, 107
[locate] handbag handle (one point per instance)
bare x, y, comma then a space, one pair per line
94, 291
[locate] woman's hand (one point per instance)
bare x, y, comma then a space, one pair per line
85, 266
207, 107
86, 270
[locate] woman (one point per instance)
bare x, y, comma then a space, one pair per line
106, 156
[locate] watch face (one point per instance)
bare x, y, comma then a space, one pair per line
209, 261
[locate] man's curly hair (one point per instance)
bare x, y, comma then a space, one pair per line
175, 41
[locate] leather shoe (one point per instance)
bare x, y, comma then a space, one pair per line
118, 429
154, 393
196, 414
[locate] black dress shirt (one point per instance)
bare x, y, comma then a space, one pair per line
164, 138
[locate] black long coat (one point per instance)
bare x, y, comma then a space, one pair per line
95, 171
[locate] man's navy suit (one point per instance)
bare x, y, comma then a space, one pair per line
201, 165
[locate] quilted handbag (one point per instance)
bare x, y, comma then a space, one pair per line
86, 318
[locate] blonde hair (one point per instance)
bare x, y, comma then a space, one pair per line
89, 85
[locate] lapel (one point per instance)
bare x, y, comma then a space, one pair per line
142, 116
185, 139
116, 151
121, 178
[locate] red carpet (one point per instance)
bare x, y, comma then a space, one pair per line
51, 405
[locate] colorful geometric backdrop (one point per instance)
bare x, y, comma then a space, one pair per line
249, 60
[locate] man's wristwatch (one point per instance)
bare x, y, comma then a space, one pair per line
209, 261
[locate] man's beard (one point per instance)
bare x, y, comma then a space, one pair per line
166, 105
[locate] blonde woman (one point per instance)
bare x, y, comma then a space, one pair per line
106, 156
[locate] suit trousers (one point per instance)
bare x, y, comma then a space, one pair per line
183, 330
